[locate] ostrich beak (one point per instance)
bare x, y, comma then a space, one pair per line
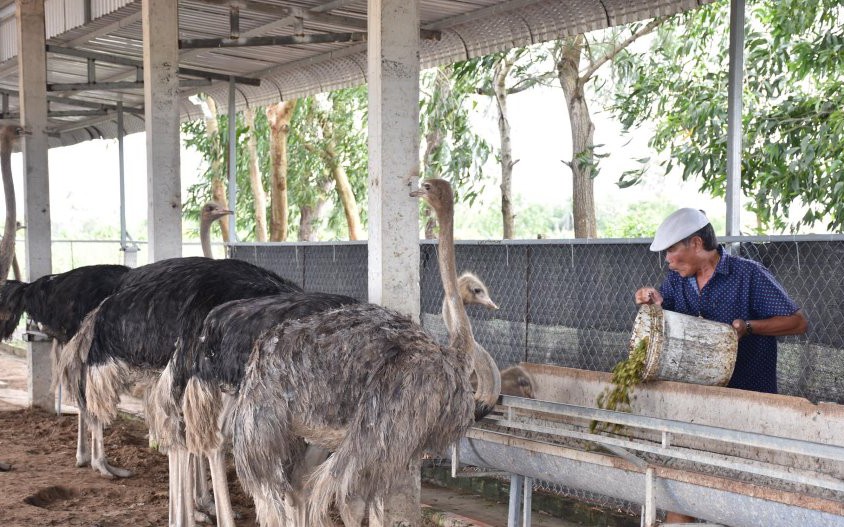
418, 193
224, 212
490, 304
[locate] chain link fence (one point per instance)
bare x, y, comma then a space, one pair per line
571, 303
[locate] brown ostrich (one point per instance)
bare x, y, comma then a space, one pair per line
351, 380
516, 381
486, 378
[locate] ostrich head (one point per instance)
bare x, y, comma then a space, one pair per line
438, 194
212, 211
473, 291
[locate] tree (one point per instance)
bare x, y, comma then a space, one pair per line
793, 125
279, 116
577, 60
450, 147
500, 75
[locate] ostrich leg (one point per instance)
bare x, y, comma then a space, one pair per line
217, 464
98, 461
203, 502
83, 447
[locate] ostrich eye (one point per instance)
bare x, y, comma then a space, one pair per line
478, 291
427, 186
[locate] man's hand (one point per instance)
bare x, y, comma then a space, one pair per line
648, 295
740, 326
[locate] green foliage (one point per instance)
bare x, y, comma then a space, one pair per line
330, 129
450, 147
793, 125
639, 220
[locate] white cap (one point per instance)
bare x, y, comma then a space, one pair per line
678, 226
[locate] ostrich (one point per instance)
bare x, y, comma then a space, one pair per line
220, 357
351, 380
516, 381
165, 302
486, 378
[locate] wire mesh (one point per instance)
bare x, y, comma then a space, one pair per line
571, 303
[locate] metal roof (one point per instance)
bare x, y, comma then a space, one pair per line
465, 29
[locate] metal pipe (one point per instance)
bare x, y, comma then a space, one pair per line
793, 446
528, 501
122, 175
289, 40
514, 510
232, 162
734, 112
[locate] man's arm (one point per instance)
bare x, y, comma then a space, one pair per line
778, 326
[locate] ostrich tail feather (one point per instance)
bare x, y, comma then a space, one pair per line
201, 407
70, 370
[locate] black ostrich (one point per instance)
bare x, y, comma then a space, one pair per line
59, 303
362, 381
165, 303
219, 358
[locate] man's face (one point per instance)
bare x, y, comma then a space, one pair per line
681, 257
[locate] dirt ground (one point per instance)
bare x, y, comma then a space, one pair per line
45, 487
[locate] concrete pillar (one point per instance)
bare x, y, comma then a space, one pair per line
161, 111
394, 154
32, 62
393, 69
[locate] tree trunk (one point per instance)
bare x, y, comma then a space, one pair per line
258, 192
212, 131
338, 172
8, 135
313, 214
582, 130
499, 86
279, 117
432, 142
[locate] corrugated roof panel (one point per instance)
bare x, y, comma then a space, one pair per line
100, 8
8, 39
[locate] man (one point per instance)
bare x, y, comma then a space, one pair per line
704, 280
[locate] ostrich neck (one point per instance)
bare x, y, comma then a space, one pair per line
205, 237
7, 246
459, 328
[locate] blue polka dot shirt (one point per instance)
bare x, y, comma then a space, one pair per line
739, 289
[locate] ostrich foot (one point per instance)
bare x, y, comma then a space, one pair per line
110, 472
83, 461
202, 517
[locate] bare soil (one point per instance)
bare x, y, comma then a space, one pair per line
44, 486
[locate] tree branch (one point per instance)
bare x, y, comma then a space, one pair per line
648, 28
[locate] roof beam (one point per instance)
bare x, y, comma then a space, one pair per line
60, 113
126, 61
332, 5
78, 102
290, 40
292, 12
105, 30
118, 85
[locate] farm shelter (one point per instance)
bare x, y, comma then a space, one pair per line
99, 55
71, 70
